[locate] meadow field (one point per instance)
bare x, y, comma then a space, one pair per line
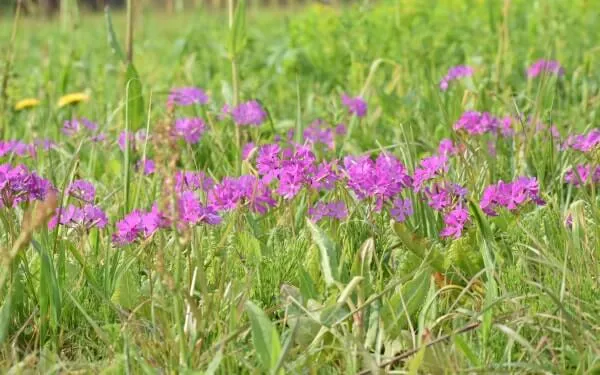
396, 186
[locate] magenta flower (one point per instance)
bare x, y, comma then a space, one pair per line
446, 147
454, 73
18, 185
186, 96
135, 140
356, 106
582, 174
584, 142
510, 195
545, 66
192, 211
249, 114
401, 209
18, 148
335, 210
429, 168
139, 225
247, 150
190, 129
86, 217
318, 132
324, 177
82, 190
382, 179
148, 166
75, 126
341, 129
246, 190
455, 222
477, 123
268, 161
193, 181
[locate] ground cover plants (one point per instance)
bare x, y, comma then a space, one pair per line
400, 187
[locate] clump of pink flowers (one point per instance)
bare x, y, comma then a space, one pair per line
356, 106
455, 73
587, 142
545, 66
511, 195
189, 129
139, 225
186, 96
18, 185
85, 218
583, 174
478, 123
335, 210
250, 113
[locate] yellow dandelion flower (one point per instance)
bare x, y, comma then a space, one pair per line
26, 103
73, 98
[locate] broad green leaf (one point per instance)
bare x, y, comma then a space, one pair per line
127, 290
214, 363
134, 100
307, 285
407, 301
329, 257
416, 362
238, 31
264, 336
419, 247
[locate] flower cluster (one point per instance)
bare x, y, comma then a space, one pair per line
186, 96
139, 225
382, 179
545, 66
582, 174
134, 140
18, 185
584, 142
82, 190
235, 191
336, 210
18, 148
454, 73
510, 195
75, 126
86, 217
356, 106
189, 129
191, 211
250, 113
478, 123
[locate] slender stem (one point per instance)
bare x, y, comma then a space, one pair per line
9, 59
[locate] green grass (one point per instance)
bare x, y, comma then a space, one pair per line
274, 293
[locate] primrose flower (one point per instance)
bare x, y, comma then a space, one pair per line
186, 96
249, 114
335, 210
190, 129
18, 148
428, 169
192, 211
193, 181
148, 166
318, 132
356, 106
584, 142
455, 221
86, 217
510, 195
545, 66
74, 126
582, 174
401, 209
18, 185
134, 140
454, 73
82, 190
139, 225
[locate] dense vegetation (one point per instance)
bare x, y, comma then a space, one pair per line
408, 186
